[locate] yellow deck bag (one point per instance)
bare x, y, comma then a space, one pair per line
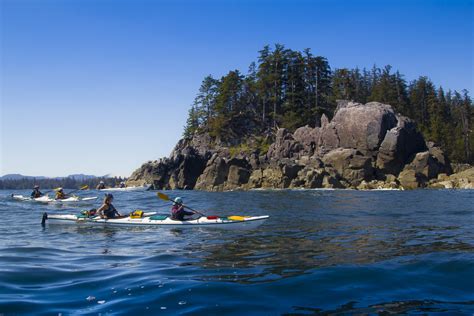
136, 214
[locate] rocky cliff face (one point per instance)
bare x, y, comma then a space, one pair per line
364, 146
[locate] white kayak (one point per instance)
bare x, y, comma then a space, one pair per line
230, 222
47, 199
126, 189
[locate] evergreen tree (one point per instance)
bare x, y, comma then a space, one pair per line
227, 102
466, 116
343, 85
318, 85
192, 123
422, 99
204, 103
264, 83
278, 63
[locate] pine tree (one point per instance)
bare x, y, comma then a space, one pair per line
343, 85
192, 123
227, 102
465, 111
318, 85
278, 59
264, 80
204, 103
423, 100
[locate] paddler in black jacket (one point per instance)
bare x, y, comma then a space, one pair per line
100, 186
36, 192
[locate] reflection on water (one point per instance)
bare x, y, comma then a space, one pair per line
321, 252
390, 308
289, 254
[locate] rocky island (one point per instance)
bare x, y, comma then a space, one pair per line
365, 146
288, 123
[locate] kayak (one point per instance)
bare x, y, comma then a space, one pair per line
228, 222
21, 197
47, 199
126, 189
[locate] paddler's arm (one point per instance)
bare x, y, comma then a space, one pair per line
100, 211
191, 212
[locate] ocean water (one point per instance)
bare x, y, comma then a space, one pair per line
321, 253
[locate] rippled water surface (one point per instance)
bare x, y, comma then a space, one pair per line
321, 252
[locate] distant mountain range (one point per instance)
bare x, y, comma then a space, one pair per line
17, 176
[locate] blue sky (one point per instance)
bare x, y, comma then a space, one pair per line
101, 86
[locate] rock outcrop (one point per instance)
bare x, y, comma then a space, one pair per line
350, 164
461, 180
364, 146
398, 146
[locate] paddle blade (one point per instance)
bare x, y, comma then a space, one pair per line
163, 196
85, 187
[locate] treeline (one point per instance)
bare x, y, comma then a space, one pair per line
288, 88
66, 183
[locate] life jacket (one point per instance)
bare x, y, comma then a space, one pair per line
110, 212
36, 194
60, 195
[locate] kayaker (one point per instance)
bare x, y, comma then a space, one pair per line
122, 185
101, 185
107, 210
178, 212
60, 195
36, 192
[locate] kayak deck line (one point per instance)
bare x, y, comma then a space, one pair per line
246, 222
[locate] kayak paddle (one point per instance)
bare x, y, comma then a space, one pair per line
167, 198
48, 192
84, 187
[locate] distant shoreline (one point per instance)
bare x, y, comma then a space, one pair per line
51, 183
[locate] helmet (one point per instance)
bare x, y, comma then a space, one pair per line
36, 187
109, 196
60, 190
101, 182
178, 200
